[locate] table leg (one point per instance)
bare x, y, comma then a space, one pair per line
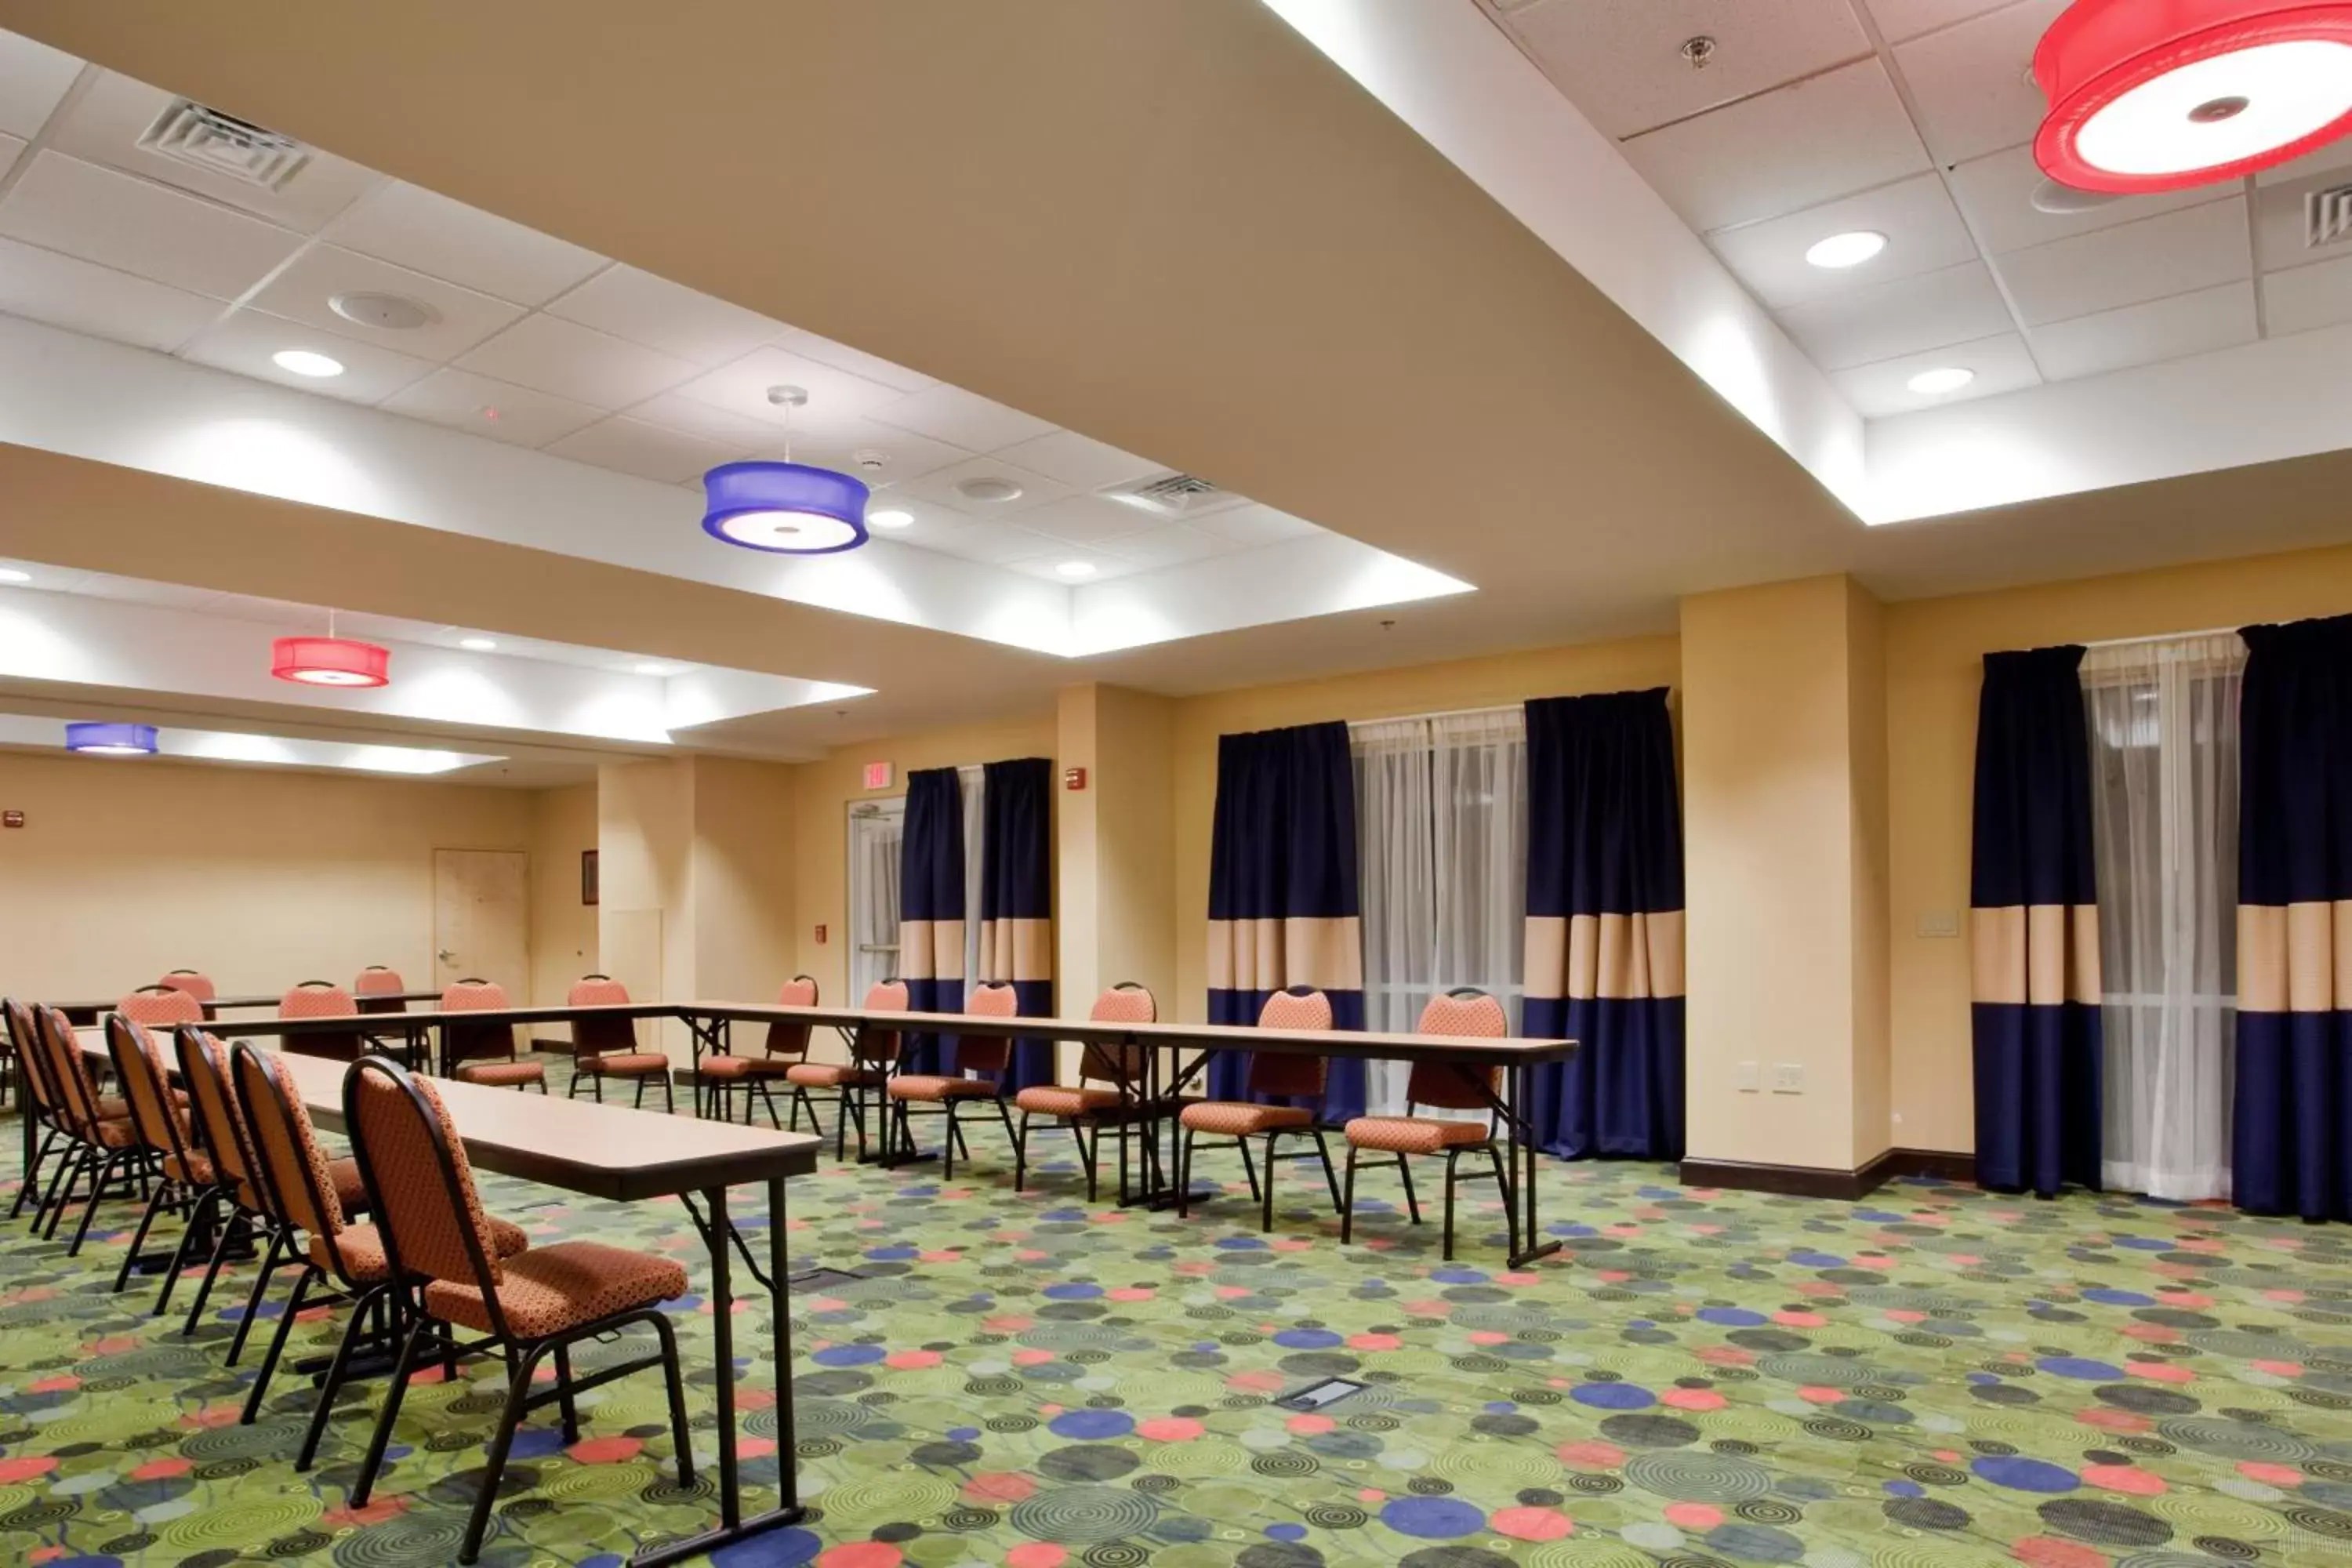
1525, 1154
732, 1526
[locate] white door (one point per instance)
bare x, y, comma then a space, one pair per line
481, 917
876, 828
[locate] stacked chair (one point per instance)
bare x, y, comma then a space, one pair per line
607, 1047
1112, 1081
988, 1054
1236, 1122
717, 1078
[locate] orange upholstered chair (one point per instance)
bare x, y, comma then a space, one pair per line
196, 983
105, 1146
162, 1007
531, 1306
378, 989
1110, 1091
321, 999
45, 1135
164, 1150
1236, 1122
604, 1047
1442, 1086
483, 1052
988, 1054
873, 1047
716, 1078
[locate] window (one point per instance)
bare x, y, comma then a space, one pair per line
878, 830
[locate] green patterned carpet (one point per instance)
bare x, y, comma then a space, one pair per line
1931, 1377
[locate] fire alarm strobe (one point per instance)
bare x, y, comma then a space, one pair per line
1073, 778
11, 819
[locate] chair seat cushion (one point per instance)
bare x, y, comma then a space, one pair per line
1414, 1134
113, 1108
116, 1134
831, 1074
748, 1067
1235, 1118
502, 1073
1054, 1100
553, 1288
627, 1063
936, 1085
362, 1249
196, 1172
349, 1191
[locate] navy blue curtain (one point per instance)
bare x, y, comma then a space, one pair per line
1604, 940
2034, 929
930, 912
1283, 900
1016, 899
2292, 1133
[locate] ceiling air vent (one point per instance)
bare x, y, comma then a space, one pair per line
189, 133
2327, 216
1175, 496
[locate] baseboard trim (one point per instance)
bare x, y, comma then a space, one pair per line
1813, 1182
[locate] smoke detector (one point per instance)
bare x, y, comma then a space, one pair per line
870, 461
988, 491
204, 138
385, 312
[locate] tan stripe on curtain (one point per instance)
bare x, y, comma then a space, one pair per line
2040, 954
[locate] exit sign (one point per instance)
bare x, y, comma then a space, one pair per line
878, 776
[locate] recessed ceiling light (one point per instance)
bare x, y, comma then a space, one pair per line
988, 491
1850, 249
10, 574
891, 517
302, 362
1074, 569
652, 669
1942, 379
387, 312
479, 645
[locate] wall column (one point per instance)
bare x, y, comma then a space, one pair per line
1784, 766
1114, 902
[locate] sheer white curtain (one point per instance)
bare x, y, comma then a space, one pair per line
972, 785
1441, 821
2164, 810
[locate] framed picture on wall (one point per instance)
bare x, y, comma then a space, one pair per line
587, 876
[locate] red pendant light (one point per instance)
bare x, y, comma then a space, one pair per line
330, 661
2161, 95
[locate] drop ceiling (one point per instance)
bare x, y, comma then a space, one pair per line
1914, 119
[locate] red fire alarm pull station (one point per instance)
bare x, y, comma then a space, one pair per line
1073, 778
878, 776
11, 819
820, 936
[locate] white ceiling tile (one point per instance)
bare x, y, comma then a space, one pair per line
245, 342
1923, 229
2309, 297
857, 362
996, 542
2157, 330
1620, 61
834, 396
1901, 19
1253, 523
547, 353
2198, 247
1996, 191
107, 121
934, 525
1795, 147
1170, 544
2000, 363
646, 451
666, 316
961, 418
2280, 223
1079, 461
1957, 305
306, 290
416, 228
64, 203
692, 417
1086, 519
2335, 158
11, 149
1036, 489
878, 453
33, 78
1970, 81
480, 407
88, 298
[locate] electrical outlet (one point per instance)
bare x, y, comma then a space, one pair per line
1745, 1076
1938, 922
1787, 1078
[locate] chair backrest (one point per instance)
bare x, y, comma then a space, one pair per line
69, 1076
988, 1053
1284, 1073
1125, 1003
24, 1033
378, 989
159, 1124
426, 1207
592, 1037
316, 999
1474, 1014
791, 1040
220, 1124
469, 1042
296, 1187
196, 982
162, 1007
873, 1043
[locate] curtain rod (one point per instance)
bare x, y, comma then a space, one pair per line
2164, 636
1448, 713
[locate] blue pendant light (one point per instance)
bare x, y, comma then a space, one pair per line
111, 740
787, 508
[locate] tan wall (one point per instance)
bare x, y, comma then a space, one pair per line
1874, 1066
1935, 650
743, 913
563, 944
124, 869
1630, 664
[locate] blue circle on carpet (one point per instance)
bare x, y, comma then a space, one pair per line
848, 1355
1613, 1395
784, 1549
2089, 1371
2021, 1474
1072, 1293
1091, 1423
1286, 1531
1732, 1317
1307, 1338
2119, 1298
1433, 1517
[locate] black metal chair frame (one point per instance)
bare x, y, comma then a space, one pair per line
42, 1123
1261, 1193
1127, 1069
1453, 1152
523, 1353
596, 1076
192, 1201
898, 1114
125, 1172
867, 1055
714, 1098
236, 1224
454, 1032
